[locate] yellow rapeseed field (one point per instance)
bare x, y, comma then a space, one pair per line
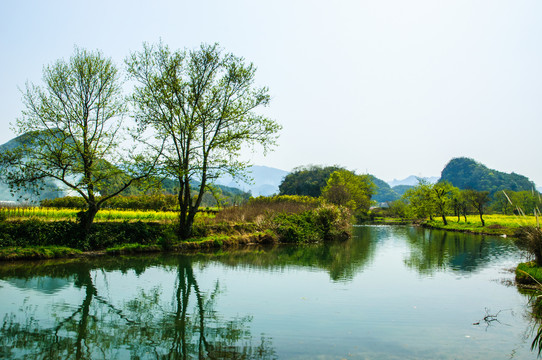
55, 214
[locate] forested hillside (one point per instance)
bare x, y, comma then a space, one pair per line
466, 173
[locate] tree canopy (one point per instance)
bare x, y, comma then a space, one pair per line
73, 126
345, 188
466, 173
200, 107
307, 180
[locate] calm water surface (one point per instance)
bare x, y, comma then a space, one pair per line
388, 293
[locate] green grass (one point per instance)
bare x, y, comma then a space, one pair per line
529, 273
132, 249
37, 252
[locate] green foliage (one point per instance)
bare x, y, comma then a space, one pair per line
420, 200
517, 202
37, 252
327, 222
478, 200
201, 106
529, 273
345, 188
73, 126
132, 249
530, 238
442, 193
466, 173
401, 189
67, 233
399, 208
383, 192
307, 180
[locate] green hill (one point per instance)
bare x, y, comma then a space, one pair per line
384, 192
466, 173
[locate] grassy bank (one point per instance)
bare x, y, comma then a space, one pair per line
529, 274
494, 224
279, 219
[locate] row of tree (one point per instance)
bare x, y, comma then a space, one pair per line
191, 111
426, 200
442, 199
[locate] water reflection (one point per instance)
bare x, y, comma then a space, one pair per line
144, 326
434, 250
335, 300
341, 260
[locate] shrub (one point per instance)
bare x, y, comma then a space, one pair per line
262, 206
327, 222
67, 233
530, 238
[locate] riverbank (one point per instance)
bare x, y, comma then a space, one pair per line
274, 220
207, 243
496, 225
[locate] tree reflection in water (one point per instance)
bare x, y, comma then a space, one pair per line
434, 250
143, 327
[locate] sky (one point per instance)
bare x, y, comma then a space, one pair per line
387, 87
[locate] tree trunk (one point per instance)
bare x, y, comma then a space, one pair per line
86, 218
444, 219
185, 226
482, 220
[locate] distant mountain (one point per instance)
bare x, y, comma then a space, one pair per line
412, 181
384, 192
466, 173
265, 180
401, 189
50, 189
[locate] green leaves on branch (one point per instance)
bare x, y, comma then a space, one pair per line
200, 108
345, 188
194, 109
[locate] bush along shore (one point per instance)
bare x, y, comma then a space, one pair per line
280, 219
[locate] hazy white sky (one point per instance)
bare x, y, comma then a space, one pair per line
393, 88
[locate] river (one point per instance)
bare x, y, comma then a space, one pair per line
387, 293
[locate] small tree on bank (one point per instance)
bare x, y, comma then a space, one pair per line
70, 132
479, 200
199, 106
441, 193
345, 188
420, 199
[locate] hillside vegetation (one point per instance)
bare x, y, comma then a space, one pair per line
466, 173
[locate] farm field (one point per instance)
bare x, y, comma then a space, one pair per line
494, 224
56, 214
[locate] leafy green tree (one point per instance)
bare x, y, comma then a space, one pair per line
399, 208
527, 201
501, 203
73, 128
199, 106
479, 200
420, 200
307, 180
345, 188
442, 196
